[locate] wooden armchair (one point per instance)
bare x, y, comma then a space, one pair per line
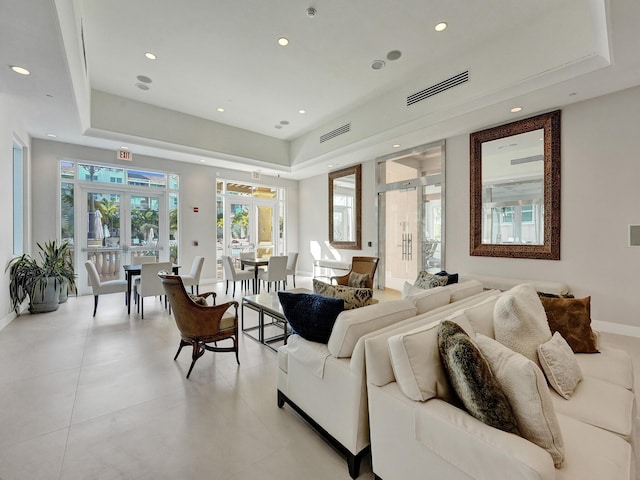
362, 265
200, 325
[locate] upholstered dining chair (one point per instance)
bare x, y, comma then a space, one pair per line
276, 272
148, 285
193, 278
102, 288
362, 266
200, 325
233, 275
292, 261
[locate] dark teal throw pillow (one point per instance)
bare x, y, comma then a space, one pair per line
310, 315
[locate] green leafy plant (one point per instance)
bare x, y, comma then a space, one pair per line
28, 276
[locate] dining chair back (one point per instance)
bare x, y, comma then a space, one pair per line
292, 261
200, 325
193, 278
233, 275
150, 284
102, 288
276, 272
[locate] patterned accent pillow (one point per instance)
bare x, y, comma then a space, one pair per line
451, 277
472, 380
358, 280
572, 318
310, 316
427, 280
353, 297
198, 300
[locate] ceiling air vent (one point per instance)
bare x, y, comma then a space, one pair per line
334, 133
438, 88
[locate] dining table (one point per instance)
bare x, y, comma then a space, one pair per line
255, 263
131, 271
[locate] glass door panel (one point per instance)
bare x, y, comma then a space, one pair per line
402, 248
102, 227
265, 231
239, 227
146, 233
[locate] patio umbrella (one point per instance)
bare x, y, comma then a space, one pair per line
97, 226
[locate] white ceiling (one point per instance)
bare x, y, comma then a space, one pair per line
214, 54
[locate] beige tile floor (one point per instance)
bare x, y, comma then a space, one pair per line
101, 398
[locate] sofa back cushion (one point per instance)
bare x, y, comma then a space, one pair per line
352, 324
464, 289
427, 300
520, 321
416, 362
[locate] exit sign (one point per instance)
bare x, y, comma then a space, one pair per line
124, 155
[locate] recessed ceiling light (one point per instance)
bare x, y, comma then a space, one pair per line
394, 55
221, 109
516, 109
283, 42
150, 56
440, 27
203, 161
20, 70
51, 135
301, 111
396, 145
377, 65
144, 79
278, 126
572, 94
142, 86
284, 122
124, 147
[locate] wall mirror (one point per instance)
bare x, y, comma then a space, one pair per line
345, 207
515, 189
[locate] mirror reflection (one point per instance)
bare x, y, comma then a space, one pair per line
513, 189
344, 208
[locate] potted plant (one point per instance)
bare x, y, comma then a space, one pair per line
40, 281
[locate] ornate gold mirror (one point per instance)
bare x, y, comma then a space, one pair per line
515, 189
345, 207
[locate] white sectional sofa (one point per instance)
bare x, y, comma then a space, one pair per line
417, 432
326, 384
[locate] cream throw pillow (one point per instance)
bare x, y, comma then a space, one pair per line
526, 389
520, 322
560, 365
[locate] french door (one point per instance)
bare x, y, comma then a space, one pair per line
249, 226
410, 213
120, 226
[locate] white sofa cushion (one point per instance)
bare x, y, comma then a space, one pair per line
520, 321
559, 365
464, 289
601, 404
352, 324
416, 362
526, 388
610, 364
430, 299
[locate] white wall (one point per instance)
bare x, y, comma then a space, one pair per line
314, 220
11, 127
600, 198
197, 189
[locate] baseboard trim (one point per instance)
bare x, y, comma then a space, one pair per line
620, 329
7, 320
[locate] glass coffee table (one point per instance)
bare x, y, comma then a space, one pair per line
270, 318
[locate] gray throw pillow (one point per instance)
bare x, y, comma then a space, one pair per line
472, 380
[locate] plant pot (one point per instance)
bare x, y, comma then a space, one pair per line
64, 291
46, 300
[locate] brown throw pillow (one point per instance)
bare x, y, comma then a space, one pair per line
572, 318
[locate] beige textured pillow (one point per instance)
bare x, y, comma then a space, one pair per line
526, 388
560, 365
520, 322
416, 362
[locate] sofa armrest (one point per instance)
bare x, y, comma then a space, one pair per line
488, 452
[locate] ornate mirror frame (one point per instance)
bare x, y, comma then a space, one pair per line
333, 176
550, 248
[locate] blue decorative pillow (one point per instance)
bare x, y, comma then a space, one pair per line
311, 316
451, 277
